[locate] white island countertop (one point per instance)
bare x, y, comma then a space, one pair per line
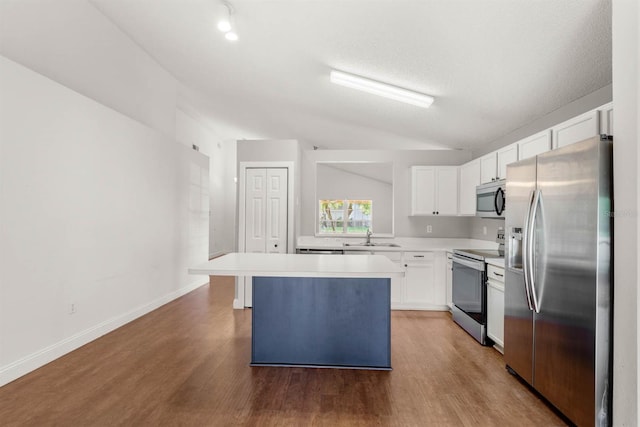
296, 265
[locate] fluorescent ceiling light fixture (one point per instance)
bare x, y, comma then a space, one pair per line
381, 89
231, 36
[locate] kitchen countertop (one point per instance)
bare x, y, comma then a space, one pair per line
498, 262
405, 244
297, 265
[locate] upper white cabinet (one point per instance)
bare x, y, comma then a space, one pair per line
534, 145
578, 128
469, 180
488, 167
606, 119
506, 155
434, 190
447, 190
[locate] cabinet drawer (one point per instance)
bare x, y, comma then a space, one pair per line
495, 273
414, 257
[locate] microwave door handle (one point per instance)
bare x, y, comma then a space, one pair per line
499, 193
525, 255
530, 250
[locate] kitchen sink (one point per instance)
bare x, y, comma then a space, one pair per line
389, 245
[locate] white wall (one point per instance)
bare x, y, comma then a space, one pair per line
96, 210
404, 225
626, 159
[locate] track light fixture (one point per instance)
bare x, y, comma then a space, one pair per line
225, 21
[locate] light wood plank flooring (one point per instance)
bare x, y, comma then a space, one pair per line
187, 363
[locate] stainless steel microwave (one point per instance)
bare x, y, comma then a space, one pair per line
491, 199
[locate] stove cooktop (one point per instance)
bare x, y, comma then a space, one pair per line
479, 254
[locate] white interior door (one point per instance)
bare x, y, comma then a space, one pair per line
266, 201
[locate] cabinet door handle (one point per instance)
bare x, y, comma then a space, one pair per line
418, 256
498, 274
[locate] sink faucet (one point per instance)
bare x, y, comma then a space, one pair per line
369, 233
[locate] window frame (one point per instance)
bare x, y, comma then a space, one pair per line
345, 218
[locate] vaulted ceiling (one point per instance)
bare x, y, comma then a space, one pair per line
492, 65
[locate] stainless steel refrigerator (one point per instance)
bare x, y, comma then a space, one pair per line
558, 286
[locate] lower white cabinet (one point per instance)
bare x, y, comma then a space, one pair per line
495, 305
449, 280
419, 278
423, 286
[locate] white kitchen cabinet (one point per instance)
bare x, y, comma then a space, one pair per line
505, 156
469, 180
576, 129
488, 167
447, 190
534, 145
449, 280
423, 190
495, 305
423, 286
606, 119
420, 290
434, 190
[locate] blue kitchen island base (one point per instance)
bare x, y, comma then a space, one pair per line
321, 322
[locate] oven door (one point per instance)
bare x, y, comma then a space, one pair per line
469, 289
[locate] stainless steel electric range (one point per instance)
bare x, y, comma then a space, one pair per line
470, 291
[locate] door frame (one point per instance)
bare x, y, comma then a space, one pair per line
238, 301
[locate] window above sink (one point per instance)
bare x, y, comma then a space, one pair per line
350, 217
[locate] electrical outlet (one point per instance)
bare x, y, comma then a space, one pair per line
72, 308
484, 230
429, 229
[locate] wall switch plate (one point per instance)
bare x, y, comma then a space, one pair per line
429, 229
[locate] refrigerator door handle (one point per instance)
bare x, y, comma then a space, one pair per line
525, 248
530, 249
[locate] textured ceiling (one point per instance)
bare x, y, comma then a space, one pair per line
493, 65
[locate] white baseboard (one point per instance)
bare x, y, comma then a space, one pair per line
420, 307
237, 304
41, 357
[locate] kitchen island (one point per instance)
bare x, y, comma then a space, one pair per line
316, 310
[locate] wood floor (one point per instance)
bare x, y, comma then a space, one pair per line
186, 364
